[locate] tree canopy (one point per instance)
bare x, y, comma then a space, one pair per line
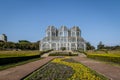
22, 44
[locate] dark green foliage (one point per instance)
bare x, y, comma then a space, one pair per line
14, 59
21, 45
89, 46
62, 54
117, 47
80, 51
46, 51
100, 46
63, 48
52, 71
10, 60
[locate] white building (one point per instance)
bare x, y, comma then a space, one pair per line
3, 37
57, 38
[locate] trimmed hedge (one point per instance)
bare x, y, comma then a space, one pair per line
105, 57
9, 60
81, 52
42, 52
14, 59
62, 54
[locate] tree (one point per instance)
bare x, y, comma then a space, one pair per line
100, 45
22, 44
89, 46
27, 45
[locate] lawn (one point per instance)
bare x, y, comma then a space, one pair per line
14, 58
110, 56
6, 54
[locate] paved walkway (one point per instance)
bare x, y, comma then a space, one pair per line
110, 71
18, 72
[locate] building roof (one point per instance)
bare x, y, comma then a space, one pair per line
52, 28
75, 28
63, 28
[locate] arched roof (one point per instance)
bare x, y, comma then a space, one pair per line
63, 28
75, 28
52, 28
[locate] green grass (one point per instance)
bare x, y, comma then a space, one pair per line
111, 56
5, 54
115, 52
17, 64
14, 58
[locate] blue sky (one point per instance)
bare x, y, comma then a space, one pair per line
99, 20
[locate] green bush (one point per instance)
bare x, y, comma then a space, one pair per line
81, 51
105, 57
9, 60
46, 51
18, 56
62, 54
63, 48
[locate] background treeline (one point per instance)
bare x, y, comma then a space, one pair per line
20, 45
102, 46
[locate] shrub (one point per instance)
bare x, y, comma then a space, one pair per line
46, 51
9, 60
10, 57
81, 51
105, 57
62, 54
63, 48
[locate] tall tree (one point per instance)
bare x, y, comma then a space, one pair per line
89, 46
100, 45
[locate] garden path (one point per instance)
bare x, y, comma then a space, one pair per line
108, 70
18, 72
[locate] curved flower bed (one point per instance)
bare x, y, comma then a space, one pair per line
65, 69
81, 71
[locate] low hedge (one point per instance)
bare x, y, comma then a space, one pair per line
9, 60
105, 57
14, 59
81, 52
62, 54
46, 51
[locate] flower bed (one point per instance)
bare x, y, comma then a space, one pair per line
65, 69
52, 71
62, 54
81, 71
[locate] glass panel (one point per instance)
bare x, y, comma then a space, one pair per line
65, 33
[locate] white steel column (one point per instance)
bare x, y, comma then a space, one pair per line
76, 45
84, 47
40, 46
50, 39
67, 41
76, 36
56, 46
70, 46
